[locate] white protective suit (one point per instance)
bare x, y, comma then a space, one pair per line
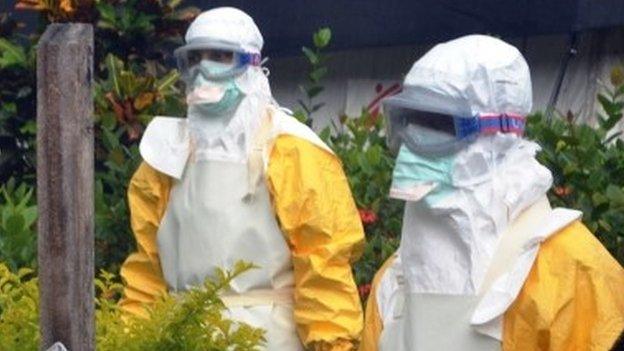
467, 254
249, 183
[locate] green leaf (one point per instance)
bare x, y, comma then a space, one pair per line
30, 216
325, 134
110, 139
615, 194
301, 116
619, 91
599, 199
364, 164
23, 199
605, 225
570, 168
313, 91
11, 54
174, 3
613, 120
23, 272
108, 120
166, 82
612, 137
30, 127
107, 13
114, 66
322, 37
312, 57
117, 156
317, 74
373, 154
15, 225
317, 107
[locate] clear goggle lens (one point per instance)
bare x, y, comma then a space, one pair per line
420, 131
435, 133
231, 63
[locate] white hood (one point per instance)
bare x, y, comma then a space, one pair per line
470, 75
446, 246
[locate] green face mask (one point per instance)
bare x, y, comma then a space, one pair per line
231, 97
416, 177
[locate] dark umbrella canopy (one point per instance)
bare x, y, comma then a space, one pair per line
287, 25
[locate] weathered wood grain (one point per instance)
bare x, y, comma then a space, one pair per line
65, 185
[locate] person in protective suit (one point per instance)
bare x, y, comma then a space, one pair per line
484, 262
239, 179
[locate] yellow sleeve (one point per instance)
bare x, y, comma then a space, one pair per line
373, 325
148, 194
573, 298
316, 211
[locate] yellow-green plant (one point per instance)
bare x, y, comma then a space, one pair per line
19, 310
190, 321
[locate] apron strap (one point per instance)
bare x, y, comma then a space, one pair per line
255, 162
513, 239
259, 297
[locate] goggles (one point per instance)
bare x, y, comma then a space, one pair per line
231, 62
439, 134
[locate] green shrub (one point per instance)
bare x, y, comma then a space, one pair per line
134, 39
18, 236
125, 101
17, 109
139, 31
193, 320
360, 144
130, 89
587, 163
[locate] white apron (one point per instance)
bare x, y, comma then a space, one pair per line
427, 322
208, 225
220, 212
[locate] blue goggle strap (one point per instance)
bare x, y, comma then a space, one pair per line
489, 123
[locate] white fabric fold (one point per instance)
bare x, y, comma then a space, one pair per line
167, 145
488, 316
447, 244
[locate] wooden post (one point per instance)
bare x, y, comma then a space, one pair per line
65, 186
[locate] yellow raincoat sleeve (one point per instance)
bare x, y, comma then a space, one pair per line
573, 298
319, 218
373, 325
148, 194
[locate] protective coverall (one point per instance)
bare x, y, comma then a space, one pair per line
484, 262
239, 179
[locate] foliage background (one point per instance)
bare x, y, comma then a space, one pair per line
134, 81
191, 321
